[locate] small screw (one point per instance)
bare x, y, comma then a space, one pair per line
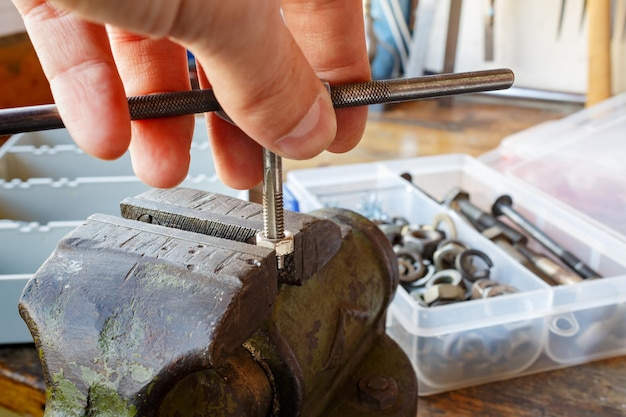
379, 392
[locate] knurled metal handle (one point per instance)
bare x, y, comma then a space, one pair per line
34, 118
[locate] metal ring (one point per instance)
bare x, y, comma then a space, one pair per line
421, 282
564, 325
417, 294
479, 287
446, 276
445, 218
410, 266
462, 267
465, 346
446, 253
499, 290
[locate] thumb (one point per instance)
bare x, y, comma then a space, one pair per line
258, 73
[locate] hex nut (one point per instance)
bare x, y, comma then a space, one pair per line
424, 240
282, 246
379, 392
446, 276
443, 292
392, 231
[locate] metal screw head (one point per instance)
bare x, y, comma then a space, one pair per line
452, 198
379, 392
502, 201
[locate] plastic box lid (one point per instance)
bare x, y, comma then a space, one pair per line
578, 162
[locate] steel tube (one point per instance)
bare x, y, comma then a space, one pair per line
35, 118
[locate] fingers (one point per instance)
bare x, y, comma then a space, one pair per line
262, 79
259, 73
238, 159
83, 77
92, 99
332, 37
159, 147
258, 70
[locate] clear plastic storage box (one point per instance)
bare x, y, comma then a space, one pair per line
569, 178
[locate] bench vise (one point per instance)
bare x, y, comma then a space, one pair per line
173, 310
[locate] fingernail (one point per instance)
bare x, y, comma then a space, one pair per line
313, 134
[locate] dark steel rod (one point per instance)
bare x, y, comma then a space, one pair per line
45, 117
504, 207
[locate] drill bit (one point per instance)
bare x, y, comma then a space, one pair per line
45, 117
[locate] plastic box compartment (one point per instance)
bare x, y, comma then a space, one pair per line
23, 162
473, 342
25, 246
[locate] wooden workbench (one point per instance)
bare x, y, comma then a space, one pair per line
472, 126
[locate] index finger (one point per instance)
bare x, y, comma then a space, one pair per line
331, 35
77, 60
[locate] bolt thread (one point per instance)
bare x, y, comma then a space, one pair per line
280, 216
273, 211
273, 216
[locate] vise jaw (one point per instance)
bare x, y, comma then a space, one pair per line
173, 310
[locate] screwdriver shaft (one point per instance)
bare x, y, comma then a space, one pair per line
45, 117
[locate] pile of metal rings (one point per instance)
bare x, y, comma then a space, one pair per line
436, 268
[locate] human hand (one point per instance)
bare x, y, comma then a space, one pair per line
264, 67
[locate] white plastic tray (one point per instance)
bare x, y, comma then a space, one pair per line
541, 328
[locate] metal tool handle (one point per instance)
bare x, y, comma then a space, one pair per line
46, 117
408, 89
35, 118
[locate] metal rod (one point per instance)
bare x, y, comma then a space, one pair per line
504, 207
35, 118
549, 268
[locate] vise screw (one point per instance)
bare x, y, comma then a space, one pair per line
173, 310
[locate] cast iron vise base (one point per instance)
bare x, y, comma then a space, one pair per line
173, 310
